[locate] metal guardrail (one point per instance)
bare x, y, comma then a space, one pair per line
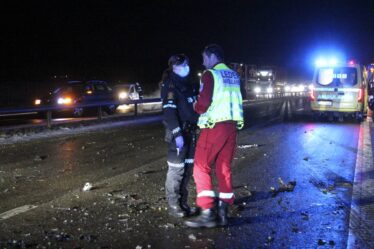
99, 105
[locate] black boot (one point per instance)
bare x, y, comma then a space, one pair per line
222, 213
176, 211
190, 211
207, 218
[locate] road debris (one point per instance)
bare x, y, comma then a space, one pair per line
321, 242
87, 187
270, 239
192, 237
246, 146
39, 158
305, 215
289, 187
295, 228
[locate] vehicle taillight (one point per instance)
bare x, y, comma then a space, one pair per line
360, 95
311, 95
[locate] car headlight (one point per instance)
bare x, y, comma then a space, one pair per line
64, 101
123, 95
37, 102
257, 90
269, 90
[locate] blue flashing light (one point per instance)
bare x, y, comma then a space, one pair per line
333, 62
322, 62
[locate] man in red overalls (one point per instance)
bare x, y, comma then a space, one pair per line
221, 113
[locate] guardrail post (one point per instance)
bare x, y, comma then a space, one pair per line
49, 119
136, 109
100, 113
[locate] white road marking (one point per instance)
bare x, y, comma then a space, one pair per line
358, 222
16, 211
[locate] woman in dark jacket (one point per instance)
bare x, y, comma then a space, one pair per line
179, 118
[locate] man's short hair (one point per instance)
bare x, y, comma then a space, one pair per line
216, 50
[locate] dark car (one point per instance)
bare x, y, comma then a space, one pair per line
80, 93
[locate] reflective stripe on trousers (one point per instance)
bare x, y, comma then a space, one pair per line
214, 145
179, 171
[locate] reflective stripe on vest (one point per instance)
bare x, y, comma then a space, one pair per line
226, 102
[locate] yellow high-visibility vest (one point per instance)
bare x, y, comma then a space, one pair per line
227, 102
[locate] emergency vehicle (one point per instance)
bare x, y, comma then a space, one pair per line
339, 90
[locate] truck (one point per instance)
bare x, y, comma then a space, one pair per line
260, 80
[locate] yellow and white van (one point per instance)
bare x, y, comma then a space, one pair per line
339, 90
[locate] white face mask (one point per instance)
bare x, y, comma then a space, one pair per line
182, 71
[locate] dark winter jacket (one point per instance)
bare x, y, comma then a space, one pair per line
177, 96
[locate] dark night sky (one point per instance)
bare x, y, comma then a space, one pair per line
132, 41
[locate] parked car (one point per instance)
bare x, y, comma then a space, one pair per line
80, 92
130, 91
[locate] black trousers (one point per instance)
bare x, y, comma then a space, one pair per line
180, 167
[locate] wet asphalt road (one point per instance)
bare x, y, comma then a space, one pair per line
127, 167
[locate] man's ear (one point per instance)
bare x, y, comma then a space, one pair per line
213, 58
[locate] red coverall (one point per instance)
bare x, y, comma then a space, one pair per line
214, 146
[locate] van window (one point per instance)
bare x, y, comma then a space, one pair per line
339, 76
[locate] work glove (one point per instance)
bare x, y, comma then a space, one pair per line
179, 142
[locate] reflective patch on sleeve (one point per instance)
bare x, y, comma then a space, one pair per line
169, 106
176, 130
